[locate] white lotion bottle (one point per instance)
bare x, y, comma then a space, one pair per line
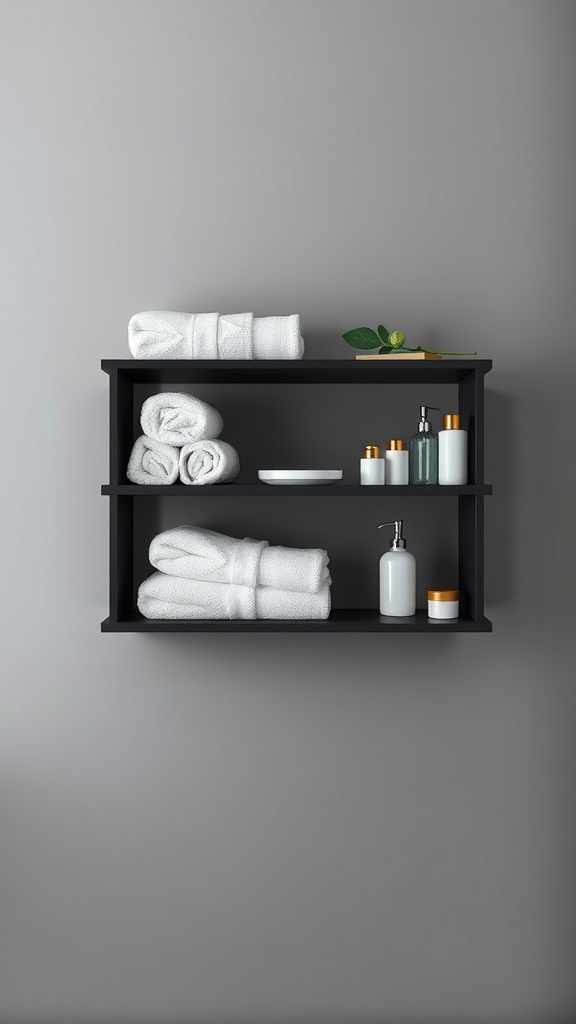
452, 452
397, 576
372, 467
396, 463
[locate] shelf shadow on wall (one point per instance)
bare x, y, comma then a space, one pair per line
501, 509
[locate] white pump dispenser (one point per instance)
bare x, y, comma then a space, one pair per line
397, 576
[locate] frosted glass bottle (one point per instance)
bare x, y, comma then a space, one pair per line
424, 451
397, 576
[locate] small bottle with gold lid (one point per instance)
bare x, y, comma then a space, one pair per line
372, 467
396, 462
452, 452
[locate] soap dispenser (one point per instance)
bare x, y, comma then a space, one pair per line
424, 451
397, 576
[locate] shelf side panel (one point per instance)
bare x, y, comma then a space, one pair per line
471, 555
121, 424
121, 556
471, 408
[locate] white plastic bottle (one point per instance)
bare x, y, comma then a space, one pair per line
396, 463
372, 467
397, 576
452, 452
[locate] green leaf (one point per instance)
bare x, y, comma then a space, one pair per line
384, 334
386, 349
362, 337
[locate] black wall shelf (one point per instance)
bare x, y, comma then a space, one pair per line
342, 620
295, 371
125, 374
292, 491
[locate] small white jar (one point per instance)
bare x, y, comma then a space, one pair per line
443, 604
372, 467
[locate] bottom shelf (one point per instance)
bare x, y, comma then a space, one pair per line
342, 620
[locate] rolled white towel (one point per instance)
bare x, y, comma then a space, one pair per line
171, 597
208, 462
164, 334
152, 462
177, 418
195, 553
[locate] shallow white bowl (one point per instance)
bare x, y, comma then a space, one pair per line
307, 477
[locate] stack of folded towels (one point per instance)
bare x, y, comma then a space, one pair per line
179, 439
164, 334
206, 575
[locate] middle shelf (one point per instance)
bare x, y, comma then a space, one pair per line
295, 491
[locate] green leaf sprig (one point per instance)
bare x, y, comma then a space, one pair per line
389, 343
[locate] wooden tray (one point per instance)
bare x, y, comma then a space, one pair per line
405, 355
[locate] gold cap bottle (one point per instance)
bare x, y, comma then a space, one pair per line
397, 464
372, 467
452, 452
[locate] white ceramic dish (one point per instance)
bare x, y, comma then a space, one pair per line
305, 477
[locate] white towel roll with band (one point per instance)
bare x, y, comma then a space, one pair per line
208, 462
152, 462
164, 334
176, 418
171, 597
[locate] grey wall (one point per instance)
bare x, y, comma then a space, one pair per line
286, 829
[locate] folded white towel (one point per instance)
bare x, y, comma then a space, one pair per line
177, 418
195, 553
208, 462
152, 462
171, 597
164, 334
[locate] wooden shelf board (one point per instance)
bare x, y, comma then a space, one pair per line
413, 355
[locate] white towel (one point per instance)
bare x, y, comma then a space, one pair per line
169, 335
152, 462
208, 462
195, 553
277, 337
177, 418
171, 597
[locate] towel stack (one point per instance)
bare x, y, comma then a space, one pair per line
206, 575
164, 334
179, 439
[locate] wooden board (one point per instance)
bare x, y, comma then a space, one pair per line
404, 355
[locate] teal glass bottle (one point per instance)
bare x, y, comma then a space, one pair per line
424, 451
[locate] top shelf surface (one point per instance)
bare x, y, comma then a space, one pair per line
296, 371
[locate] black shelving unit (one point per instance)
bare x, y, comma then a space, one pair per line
468, 374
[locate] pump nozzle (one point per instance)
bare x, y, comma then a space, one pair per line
424, 426
399, 541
